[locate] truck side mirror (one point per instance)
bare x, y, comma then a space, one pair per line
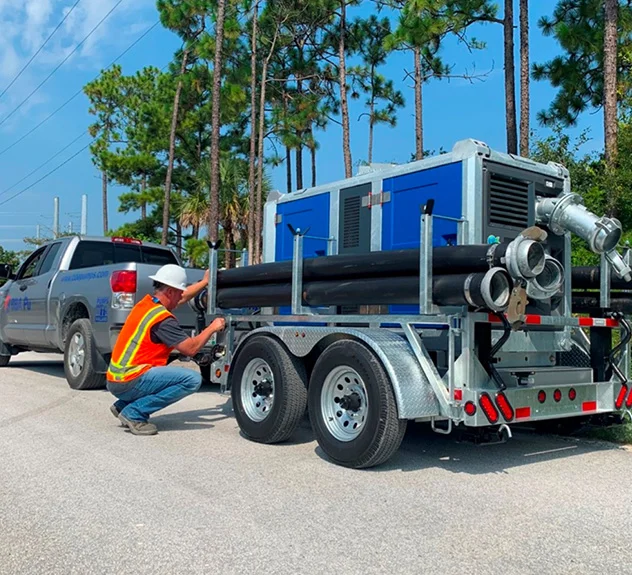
6, 271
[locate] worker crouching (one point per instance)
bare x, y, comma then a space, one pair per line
138, 374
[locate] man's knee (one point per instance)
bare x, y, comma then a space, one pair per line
193, 381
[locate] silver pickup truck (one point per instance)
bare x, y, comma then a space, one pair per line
73, 294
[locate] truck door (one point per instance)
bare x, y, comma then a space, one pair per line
17, 305
37, 320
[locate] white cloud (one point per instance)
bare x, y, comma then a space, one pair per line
25, 24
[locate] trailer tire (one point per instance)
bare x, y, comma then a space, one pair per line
4, 360
361, 428
261, 420
79, 353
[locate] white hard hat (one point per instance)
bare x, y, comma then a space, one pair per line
171, 275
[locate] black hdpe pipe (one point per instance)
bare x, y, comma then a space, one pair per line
589, 277
487, 290
445, 260
586, 304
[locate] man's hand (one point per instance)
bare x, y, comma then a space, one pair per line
218, 324
206, 276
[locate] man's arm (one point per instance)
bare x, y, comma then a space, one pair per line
192, 345
194, 289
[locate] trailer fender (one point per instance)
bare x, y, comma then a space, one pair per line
413, 393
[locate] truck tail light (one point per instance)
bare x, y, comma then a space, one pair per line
123, 283
487, 405
505, 407
621, 397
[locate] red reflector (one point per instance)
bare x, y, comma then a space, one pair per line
488, 408
505, 408
226, 368
523, 412
621, 397
470, 408
120, 240
557, 395
123, 281
572, 394
628, 403
589, 406
542, 396
458, 395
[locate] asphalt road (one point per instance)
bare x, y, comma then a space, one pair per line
80, 495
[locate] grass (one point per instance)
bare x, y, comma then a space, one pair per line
616, 434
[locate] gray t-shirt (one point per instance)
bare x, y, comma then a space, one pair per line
169, 332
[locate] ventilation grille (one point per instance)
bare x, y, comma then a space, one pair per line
351, 222
508, 202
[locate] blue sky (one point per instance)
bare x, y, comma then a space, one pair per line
453, 109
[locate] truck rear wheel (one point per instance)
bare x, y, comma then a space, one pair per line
78, 357
269, 390
352, 406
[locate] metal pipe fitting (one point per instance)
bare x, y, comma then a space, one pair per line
494, 290
548, 282
567, 213
524, 258
618, 265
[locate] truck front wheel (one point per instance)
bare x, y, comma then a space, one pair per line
352, 407
79, 357
269, 390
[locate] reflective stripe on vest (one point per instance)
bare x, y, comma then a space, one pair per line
121, 370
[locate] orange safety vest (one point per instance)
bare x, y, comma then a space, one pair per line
134, 353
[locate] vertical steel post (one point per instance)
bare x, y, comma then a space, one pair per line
213, 260
84, 214
56, 218
604, 295
297, 274
425, 263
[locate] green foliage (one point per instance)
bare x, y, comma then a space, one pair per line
578, 26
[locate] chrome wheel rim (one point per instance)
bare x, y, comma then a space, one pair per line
76, 354
257, 390
344, 403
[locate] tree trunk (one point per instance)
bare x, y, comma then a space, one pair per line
525, 103
143, 203
344, 105
195, 232
256, 257
371, 112
610, 81
213, 224
299, 164
172, 149
288, 168
104, 189
179, 239
419, 123
510, 81
253, 129
229, 234
312, 151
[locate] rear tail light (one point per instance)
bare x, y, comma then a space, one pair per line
542, 396
621, 397
470, 408
123, 284
628, 403
505, 407
557, 395
487, 405
572, 394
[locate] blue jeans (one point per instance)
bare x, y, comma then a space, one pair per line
154, 390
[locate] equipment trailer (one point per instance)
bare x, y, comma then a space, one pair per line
436, 291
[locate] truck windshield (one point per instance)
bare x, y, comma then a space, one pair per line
94, 254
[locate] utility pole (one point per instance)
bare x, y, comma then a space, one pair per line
56, 218
84, 214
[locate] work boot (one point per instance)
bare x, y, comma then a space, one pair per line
114, 411
138, 427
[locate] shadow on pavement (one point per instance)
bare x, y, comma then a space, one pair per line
46, 367
194, 419
422, 449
